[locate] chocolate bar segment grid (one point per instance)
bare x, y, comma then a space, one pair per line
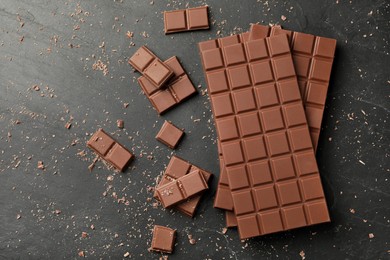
265, 140
178, 88
177, 168
313, 58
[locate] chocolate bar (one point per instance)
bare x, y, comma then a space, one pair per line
109, 150
186, 20
163, 239
313, 58
177, 168
169, 135
263, 132
181, 189
301, 44
178, 89
151, 67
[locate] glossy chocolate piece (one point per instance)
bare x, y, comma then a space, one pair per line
186, 20
181, 189
177, 168
109, 150
313, 58
169, 135
151, 67
163, 239
265, 139
178, 89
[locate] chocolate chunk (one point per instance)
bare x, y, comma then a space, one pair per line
109, 150
163, 239
151, 67
186, 19
176, 90
181, 189
176, 168
169, 135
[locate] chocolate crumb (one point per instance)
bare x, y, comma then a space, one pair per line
81, 254
129, 34
84, 234
192, 241
120, 123
40, 165
302, 254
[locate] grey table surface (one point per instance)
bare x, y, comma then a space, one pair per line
55, 44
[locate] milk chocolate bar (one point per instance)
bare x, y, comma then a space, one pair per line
307, 50
265, 139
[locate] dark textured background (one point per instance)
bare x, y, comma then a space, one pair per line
50, 51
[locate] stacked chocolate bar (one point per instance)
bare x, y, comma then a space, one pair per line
267, 89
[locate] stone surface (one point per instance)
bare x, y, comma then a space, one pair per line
351, 152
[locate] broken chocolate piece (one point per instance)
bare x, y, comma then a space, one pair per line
313, 58
186, 20
169, 135
151, 67
163, 239
176, 168
109, 150
181, 189
178, 89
